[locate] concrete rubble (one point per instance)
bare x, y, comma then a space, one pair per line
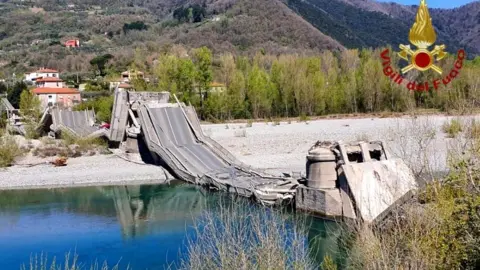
357, 180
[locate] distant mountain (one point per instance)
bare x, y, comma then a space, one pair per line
460, 26
366, 23
255, 25
32, 31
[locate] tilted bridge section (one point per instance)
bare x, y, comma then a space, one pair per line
173, 135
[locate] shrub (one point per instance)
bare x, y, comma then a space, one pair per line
241, 236
303, 118
9, 150
102, 105
328, 263
473, 130
31, 131
41, 262
81, 145
362, 137
249, 123
452, 128
3, 119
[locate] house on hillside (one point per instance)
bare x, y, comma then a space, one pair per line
41, 73
216, 87
126, 77
72, 43
53, 91
53, 82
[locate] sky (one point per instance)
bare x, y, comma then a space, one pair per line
433, 3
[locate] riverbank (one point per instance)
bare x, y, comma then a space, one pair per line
83, 171
274, 146
420, 141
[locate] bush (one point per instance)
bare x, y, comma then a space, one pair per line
238, 236
303, 117
9, 150
83, 144
102, 105
31, 131
71, 146
452, 128
473, 131
41, 262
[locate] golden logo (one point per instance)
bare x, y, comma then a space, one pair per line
422, 35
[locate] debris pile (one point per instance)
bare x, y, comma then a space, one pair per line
357, 180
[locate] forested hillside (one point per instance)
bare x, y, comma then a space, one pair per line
360, 23
32, 32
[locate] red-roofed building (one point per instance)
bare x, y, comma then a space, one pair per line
72, 43
42, 73
63, 97
52, 91
49, 82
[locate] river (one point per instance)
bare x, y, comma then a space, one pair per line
145, 227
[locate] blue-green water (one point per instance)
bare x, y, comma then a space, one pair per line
145, 227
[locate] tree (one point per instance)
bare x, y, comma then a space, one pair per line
203, 64
185, 77
138, 25
3, 88
166, 72
260, 92
236, 95
30, 110
102, 105
29, 106
96, 87
100, 62
15, 92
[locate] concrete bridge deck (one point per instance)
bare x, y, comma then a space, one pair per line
169, 133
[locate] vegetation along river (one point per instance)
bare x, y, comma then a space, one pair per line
145, 227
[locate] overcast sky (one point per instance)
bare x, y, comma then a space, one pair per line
434, 3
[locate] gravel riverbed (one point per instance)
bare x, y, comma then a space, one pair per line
282, 147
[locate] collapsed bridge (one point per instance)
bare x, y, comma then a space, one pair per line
172, 135
357, 180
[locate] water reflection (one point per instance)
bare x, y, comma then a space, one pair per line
138, 206
146, 226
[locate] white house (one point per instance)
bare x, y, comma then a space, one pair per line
42, 73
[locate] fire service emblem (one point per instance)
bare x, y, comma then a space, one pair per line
422, 35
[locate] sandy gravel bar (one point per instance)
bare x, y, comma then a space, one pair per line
285, 146
83, 171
